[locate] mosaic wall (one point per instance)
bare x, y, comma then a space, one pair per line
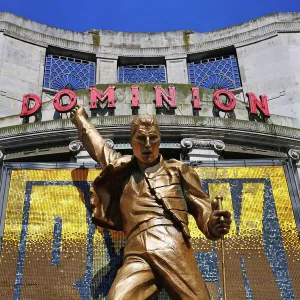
51, 250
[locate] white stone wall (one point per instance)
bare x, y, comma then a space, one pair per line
21, 72
271, 67
290, 104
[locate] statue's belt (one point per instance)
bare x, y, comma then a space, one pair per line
146, 225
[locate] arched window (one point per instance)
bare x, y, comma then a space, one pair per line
68, 73
221, 72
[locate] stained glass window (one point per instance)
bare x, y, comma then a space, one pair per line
142, 74
215, 73
68, 73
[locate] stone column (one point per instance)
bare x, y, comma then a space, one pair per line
107, 69
177, 69
201, 150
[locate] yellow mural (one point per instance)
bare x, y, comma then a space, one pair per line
49, 243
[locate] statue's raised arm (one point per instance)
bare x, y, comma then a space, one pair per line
91, 139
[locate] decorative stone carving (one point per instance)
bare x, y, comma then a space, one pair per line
294, 154
75, 147
190, 143
200, 150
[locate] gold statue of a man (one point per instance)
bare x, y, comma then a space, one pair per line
149, 200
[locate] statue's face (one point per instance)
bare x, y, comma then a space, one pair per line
145, 144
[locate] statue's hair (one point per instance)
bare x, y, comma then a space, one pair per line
144, 120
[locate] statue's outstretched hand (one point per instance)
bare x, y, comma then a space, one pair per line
78, 114
219, 220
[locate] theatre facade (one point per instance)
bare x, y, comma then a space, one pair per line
228, 104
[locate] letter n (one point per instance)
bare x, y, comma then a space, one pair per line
261, 104
160, 95
96, 96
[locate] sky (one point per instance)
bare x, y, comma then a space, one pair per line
145, 15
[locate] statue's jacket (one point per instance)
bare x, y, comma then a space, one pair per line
175, 185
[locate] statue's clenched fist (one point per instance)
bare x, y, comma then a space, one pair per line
219, 220
78, 114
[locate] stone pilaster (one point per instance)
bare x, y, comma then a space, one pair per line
177, 68
107, 69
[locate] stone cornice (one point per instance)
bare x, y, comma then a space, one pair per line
140, 44
186, 126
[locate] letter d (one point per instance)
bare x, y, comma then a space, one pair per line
26, 111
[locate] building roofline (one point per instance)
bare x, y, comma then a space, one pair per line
141, 43
287, 16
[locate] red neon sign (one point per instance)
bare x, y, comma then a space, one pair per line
135, 96
224, 107
26, 111
97, 96
196, 98
161, 94
261, 104
64, 108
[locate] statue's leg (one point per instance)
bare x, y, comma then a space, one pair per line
134, 280
173, 259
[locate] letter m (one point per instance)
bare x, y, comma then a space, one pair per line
96, 96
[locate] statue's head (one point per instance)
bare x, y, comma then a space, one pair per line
145, 139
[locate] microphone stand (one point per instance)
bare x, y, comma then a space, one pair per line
220, 206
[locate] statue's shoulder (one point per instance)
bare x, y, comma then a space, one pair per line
122, 161
174, 163
118, 164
